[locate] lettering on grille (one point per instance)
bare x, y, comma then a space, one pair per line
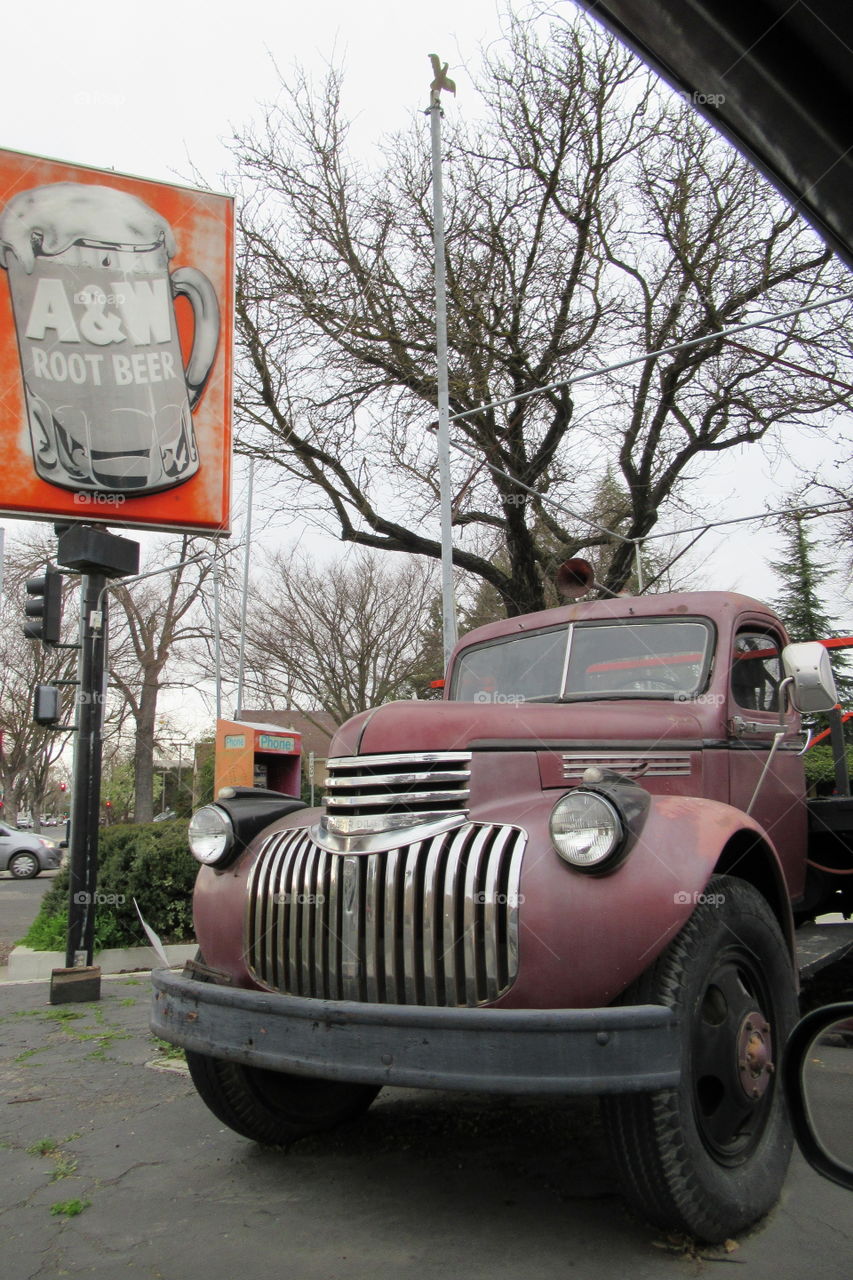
434, 922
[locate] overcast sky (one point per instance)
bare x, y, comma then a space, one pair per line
155, 89
150, 88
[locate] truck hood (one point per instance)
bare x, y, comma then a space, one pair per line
400, 727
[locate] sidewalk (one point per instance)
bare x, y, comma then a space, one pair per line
425, 1187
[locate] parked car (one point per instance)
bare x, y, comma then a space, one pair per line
25, 855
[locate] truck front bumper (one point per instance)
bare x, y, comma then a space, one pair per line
621, 1049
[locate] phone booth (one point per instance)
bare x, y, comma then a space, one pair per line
257, 755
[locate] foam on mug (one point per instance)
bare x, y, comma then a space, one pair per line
48, 220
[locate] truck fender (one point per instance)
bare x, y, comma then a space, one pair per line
725, 841
583, 939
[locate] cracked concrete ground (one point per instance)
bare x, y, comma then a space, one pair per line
112, 1167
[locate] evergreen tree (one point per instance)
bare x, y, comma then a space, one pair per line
800, 604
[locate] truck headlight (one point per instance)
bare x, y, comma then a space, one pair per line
586, 830
211, 835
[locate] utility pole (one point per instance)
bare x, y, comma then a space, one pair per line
244, 595
448, 604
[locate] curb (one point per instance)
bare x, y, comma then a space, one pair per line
27, 965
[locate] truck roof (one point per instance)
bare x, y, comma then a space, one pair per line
716, 605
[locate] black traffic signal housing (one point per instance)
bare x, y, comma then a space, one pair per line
45, 607
46, 709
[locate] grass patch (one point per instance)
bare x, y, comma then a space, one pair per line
44, 1147
69, 1208
25, 1055
64, 1167
167, 1050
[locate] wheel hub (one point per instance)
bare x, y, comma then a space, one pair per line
754, 1055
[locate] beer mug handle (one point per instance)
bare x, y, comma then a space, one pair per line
197, 289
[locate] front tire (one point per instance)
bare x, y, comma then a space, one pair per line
272, 1107
710, 1157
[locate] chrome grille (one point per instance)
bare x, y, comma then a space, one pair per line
369, 794
649, 764
434, 922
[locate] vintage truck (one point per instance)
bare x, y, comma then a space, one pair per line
579, 872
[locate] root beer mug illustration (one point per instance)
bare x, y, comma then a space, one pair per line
109, 402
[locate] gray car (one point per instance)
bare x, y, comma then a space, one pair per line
24, 855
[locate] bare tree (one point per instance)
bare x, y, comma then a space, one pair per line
340, 638
591, 217
27, 751
162, 616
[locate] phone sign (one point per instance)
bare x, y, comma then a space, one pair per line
272, 742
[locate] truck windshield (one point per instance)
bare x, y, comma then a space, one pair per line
658, 658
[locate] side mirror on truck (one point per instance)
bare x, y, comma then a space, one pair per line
812, 684
816, 1071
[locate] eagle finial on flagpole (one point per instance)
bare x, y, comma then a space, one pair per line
440, 78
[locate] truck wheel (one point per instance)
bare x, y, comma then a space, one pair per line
710, 1157
271, 1107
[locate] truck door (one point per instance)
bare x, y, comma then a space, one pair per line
753, 721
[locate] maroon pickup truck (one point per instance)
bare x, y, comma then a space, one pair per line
578, 873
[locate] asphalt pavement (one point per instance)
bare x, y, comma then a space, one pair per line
19, 904
113, 1167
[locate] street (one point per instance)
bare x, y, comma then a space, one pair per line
113, 1166
425, 1185
19, 904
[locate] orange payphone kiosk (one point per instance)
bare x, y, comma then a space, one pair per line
257, 755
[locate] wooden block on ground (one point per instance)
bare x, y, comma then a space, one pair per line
72, 986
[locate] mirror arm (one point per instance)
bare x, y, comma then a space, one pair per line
777, 738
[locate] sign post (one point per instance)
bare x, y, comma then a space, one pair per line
100, 556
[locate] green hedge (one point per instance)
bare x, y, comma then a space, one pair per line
819, 764
151, 863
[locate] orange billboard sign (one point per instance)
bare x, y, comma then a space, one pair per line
116, 329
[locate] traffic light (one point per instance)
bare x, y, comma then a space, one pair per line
46, 704
45, 607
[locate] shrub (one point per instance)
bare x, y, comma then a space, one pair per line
151, 863
820, 767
